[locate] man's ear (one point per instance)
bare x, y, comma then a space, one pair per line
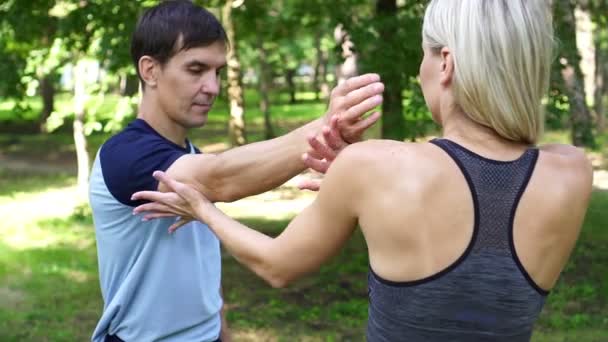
447, 66
149, 69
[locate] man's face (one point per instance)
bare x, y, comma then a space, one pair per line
189, 82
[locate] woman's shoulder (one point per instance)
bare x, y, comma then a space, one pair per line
566, 164
388, 160
388, 150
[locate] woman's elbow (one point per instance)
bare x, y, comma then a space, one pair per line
279, 282
277, 278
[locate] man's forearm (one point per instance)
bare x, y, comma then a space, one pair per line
262, 166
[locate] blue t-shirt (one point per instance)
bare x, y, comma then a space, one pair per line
156, 286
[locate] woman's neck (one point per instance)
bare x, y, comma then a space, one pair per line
457, 126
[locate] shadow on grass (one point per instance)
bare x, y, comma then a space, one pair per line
52, 293
330, 304
333, 301
579, 302
31, 182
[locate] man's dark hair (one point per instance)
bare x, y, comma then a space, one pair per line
172, 26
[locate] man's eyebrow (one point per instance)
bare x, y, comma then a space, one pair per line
196, 63
200, 64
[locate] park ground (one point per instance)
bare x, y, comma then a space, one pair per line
49, 288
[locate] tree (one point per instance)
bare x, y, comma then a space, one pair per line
236, 125
33, 60
393, 122
599, 15
381, 39
571, 74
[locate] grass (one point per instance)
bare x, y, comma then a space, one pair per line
49, 288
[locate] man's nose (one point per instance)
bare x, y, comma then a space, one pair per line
211, 84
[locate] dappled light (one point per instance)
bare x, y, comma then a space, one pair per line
69, 84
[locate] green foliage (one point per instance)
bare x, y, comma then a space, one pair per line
59, 34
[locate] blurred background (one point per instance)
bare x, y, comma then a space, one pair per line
67, 84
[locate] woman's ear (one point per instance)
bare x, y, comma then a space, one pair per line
148, 69
447, 66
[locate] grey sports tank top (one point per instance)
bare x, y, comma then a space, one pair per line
486, 294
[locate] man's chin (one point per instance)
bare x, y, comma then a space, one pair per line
196, 123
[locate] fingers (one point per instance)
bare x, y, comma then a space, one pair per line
153, 206
155, 216
356, 111
178, 224
354, 83
152, 196
321, 150
168, 181
314, 154
361, 94
332, 137
184, 191
309, 184
353, 132
318, 165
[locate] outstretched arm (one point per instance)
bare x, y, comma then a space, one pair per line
310, 239
259, 167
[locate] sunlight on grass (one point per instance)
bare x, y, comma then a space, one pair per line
600, 179
21, 213
280, 204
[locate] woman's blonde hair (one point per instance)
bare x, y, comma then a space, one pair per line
502, 52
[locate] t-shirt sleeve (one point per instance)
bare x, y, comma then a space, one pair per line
128, 165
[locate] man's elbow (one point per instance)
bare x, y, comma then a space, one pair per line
220, 191
228, 194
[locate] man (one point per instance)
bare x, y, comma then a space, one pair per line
178, 50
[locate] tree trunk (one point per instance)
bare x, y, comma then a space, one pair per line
586, 48
47, 91
599, 9
348, 68
325, 88
236, 125
129, 84
393, 122
580, 116
80, 141
318, 62
601, 86
264, 88
291, 86
601, 89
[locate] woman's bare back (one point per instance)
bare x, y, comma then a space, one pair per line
418, 214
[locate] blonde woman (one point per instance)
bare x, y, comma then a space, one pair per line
466, 234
